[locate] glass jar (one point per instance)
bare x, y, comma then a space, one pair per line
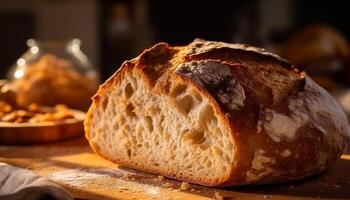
54, 72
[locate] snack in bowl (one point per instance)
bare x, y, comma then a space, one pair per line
38, 124
34, 113
216, 114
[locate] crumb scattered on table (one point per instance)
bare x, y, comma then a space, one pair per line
218, 196
167, 185
160, 178
185, 186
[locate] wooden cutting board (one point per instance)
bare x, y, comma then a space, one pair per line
87, 176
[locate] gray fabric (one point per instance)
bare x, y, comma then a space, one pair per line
18, 184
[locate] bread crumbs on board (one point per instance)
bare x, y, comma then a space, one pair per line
185, 186
218, 196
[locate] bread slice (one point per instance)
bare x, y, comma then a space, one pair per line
216, 114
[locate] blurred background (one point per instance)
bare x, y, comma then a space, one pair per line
314, 35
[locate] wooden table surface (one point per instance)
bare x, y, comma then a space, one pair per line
87, 176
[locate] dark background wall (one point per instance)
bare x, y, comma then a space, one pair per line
113, 31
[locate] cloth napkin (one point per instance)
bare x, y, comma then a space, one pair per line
21, 184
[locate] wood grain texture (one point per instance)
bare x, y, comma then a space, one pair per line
73, 165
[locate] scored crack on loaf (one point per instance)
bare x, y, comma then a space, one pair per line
216, 114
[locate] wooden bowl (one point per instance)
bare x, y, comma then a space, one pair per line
30, 133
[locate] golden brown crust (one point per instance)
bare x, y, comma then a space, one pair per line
284, 126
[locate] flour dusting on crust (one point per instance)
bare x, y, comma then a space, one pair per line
218, 75
199, 46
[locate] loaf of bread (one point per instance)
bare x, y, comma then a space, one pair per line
216, 114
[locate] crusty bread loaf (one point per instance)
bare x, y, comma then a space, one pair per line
216, 114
